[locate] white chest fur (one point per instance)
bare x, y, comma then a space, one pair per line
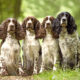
49, 48
50, 41
68, 43
31, 46
10, 48
30, 39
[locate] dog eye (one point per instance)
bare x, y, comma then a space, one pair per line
62, 14
8, 21
32, 19
46, 18
27, 19
50, 19
66, 15
13, 21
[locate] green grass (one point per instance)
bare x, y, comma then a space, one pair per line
48, 75
59, 75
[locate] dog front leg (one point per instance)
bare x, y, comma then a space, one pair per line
35, 71
64, 65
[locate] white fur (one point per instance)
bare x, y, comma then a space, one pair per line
31, 49
48, 21
10, 24
49, 51
64, 17
10, 51
29, 21
68, 45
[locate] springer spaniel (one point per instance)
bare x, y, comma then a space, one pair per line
31, 45
50, 48
10, 47
68, 39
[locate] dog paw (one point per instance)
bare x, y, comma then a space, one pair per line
54, 68
35, 72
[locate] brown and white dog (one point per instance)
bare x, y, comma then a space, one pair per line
50, 49
31, 45
10, 47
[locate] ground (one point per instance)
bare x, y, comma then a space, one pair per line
48, 75
16, 78
59, 75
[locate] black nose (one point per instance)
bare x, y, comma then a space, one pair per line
29, 24
12, 26
64, 20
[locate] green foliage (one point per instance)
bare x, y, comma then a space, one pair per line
9, 8
42, 8
38, 8
59, 75
6, 9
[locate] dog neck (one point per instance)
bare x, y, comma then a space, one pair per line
10, 36
48, 34
64, 30
30, 34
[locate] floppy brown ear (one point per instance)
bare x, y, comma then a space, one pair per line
37, 27
40, 32
43, 23
24, 25
2, 33
20, 34
3, 30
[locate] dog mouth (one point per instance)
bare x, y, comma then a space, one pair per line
29, 28
48, 26
63, 24
11, 31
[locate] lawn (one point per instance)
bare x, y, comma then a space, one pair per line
59, 75
48, 75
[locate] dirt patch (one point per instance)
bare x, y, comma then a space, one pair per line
16, 78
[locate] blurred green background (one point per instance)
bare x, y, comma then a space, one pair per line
39, 8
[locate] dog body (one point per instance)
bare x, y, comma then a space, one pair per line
31, 46
49, 51
11, 52
50, 48
68, 46
31, 49
68, 39
10, 46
